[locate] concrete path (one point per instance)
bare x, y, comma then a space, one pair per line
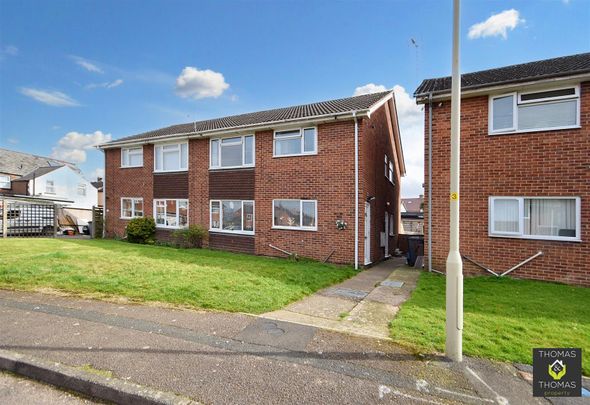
16, 390
362, 305
221, 358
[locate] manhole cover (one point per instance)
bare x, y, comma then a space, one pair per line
390, 283
347, 292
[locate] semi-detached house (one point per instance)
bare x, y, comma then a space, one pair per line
319, 180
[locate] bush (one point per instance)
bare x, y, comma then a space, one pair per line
191, 237
141, 230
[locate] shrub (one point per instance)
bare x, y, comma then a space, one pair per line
191, 237
141, 230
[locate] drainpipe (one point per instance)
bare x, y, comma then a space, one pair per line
356, 191
430, 182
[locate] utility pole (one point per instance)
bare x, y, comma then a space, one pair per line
454, 287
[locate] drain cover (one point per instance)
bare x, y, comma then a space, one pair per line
390, 283
347, 292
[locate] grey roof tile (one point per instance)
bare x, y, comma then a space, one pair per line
19, 163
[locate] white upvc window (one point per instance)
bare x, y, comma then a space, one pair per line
131, 207
232, 216
539, 110
4, 181
132, 157
171, 157
295, 142
171, 213
386, 167
232, 152
295, 214
390, 177
548, 218
82, 189
49, 187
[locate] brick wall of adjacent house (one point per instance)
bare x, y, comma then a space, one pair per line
327, 177
543, 163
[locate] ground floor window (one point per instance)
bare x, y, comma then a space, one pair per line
236, 216
552, 218
295, 214
171, 213
131, 207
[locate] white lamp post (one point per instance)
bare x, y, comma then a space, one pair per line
454, 288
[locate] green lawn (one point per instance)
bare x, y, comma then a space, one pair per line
504, 319
194, 277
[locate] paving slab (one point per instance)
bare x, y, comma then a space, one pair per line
321, 306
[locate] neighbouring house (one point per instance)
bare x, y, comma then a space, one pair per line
23, 174
99, 185
299, 179
525, 169
412, 213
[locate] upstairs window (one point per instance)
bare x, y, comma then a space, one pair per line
132, 157
535, 111
171, 157
535, 217
82, 189
49, 187
4, 181
232, 152
295, 214
302, 141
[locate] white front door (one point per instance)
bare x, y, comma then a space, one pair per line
386, 234
367, 233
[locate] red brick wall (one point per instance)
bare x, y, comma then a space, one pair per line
550, 163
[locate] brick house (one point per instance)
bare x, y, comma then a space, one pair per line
269, 180
525, 169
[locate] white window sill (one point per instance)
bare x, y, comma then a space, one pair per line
170, 171
541, 238
296, 154
231, 167
526, 131
129, 167
294, 228
247, 233
170, 227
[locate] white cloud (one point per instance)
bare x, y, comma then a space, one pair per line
86, 64
369, 88
105, 85
10, 50
497, 25
54, 98
72, 146
96, 173
12, 141
411, 120
197, 84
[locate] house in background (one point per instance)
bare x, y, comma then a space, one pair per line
525, 169
412, 212
319, 180
23, 174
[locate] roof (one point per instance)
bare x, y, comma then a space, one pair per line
294, 113
525, 72
39, 172
413, 205
20, 164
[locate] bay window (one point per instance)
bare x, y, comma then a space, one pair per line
301, 141
171, 157
234, 216
171, 213
232, 152
295, 214
552, 218
131, 207
535, 110
132, 157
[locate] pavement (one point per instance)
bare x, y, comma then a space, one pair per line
223, 358
362, 305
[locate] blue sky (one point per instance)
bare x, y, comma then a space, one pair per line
73, 73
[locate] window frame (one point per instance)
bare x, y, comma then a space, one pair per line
300, 227
160, 155
52, 192
177, 212
517, 102
125, 165
302, 141
133, 200
220, 229
82, 187
5, 182
243, 143
520, 234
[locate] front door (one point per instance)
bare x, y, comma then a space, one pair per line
386, 234
367, 233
